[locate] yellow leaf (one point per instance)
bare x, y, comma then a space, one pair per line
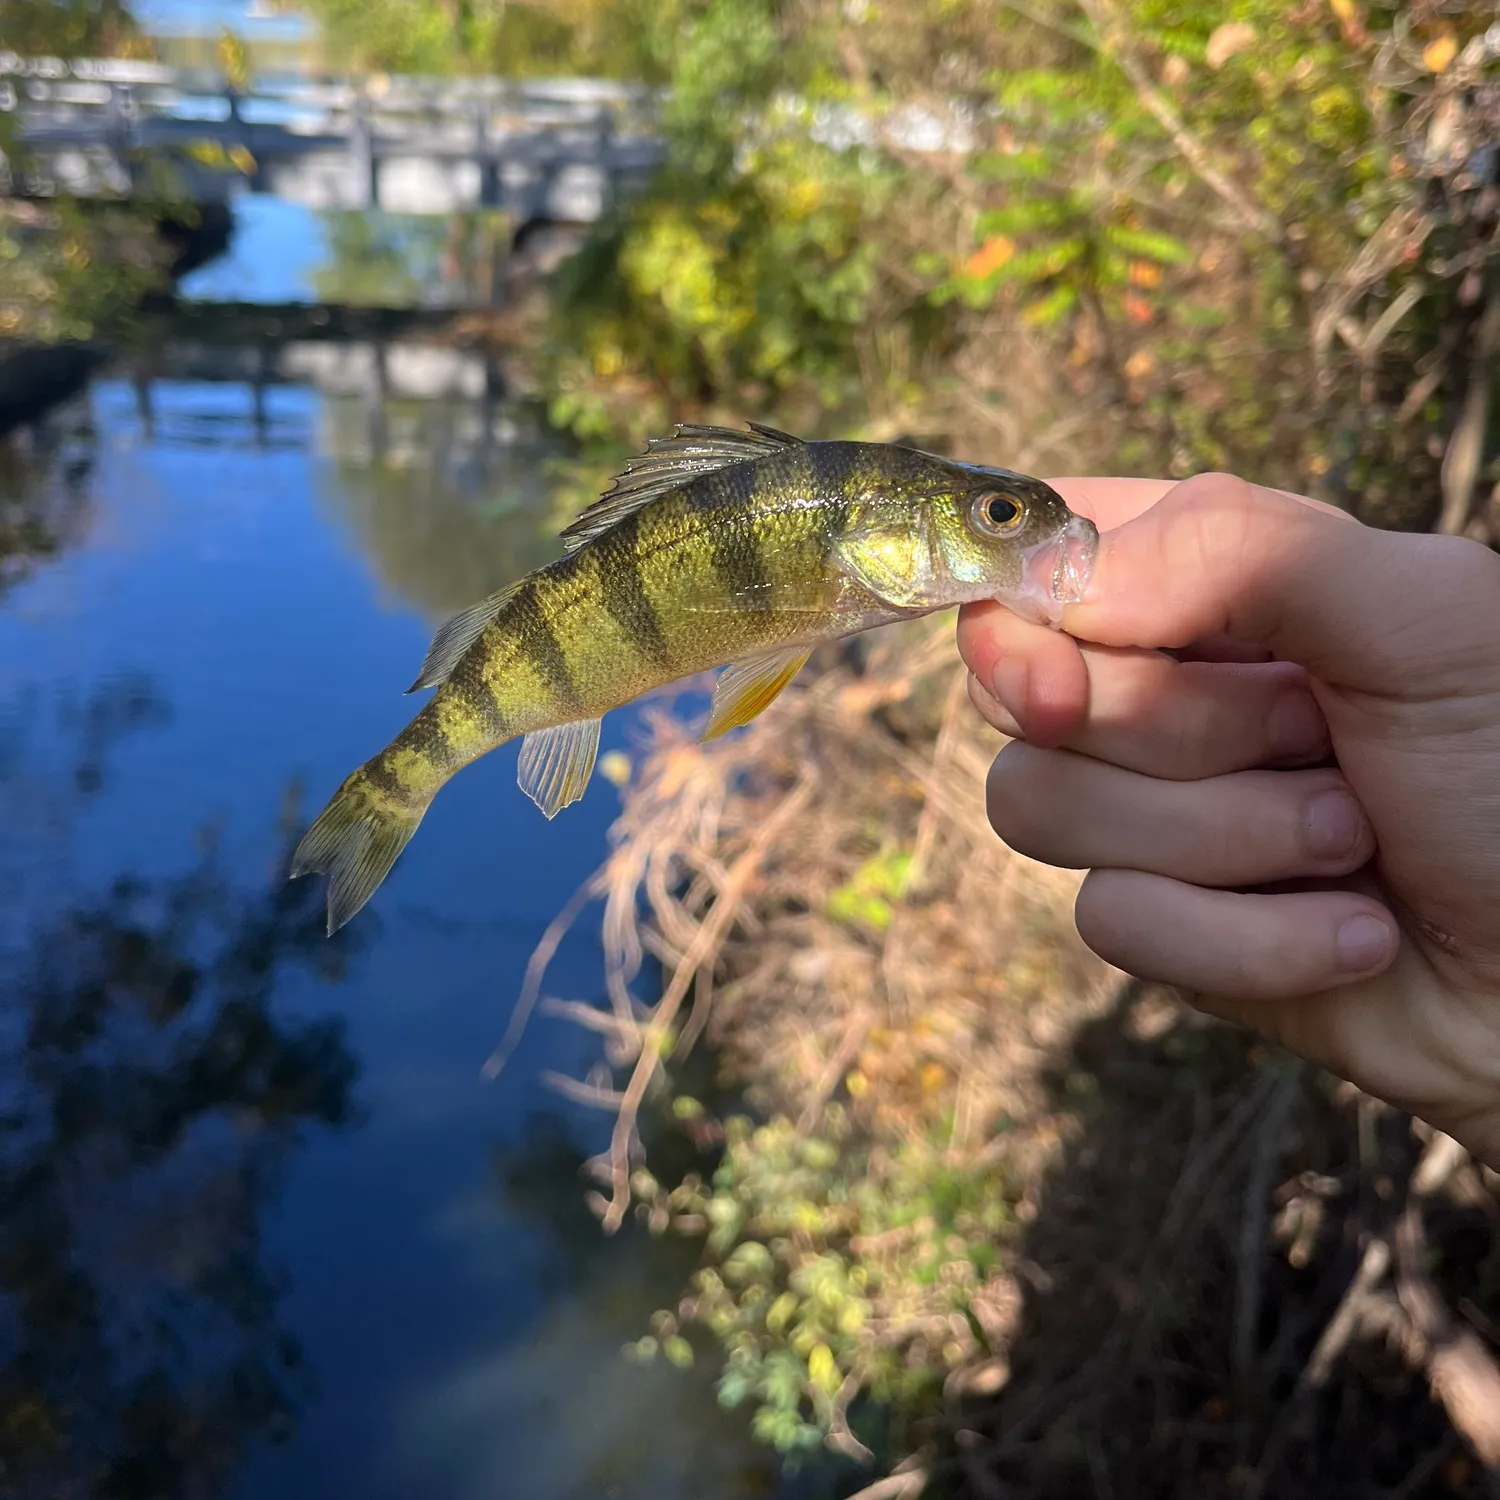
857, 1084
823, 1370
1439, 52
614, 767
933, 1075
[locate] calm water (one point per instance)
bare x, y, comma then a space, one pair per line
254, 1185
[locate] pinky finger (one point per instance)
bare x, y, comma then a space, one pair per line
1252, 947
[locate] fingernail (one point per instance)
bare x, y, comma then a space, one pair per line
1363, 943
1335, 823
1010, 683
1296, 728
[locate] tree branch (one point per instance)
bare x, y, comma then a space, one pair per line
1116, 46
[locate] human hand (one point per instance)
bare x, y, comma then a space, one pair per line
1295, 815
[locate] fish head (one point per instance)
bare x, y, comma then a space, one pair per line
954, 533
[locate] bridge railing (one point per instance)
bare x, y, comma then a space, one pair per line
117, 101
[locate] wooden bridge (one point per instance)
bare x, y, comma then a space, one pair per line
559, 150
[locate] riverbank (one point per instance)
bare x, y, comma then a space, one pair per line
159, 245
998, 1220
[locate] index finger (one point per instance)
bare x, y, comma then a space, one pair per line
1355, 605
1110, 502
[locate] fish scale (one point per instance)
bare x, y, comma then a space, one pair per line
716, 548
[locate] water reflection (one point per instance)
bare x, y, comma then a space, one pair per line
44, 471
617, 1430
480, 472
151, 1102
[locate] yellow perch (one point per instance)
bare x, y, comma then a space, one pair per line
716, 547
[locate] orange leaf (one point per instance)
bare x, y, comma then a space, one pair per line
989, 257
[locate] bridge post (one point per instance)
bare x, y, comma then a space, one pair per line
364, 171
484, 154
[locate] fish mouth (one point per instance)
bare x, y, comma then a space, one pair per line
1056, 573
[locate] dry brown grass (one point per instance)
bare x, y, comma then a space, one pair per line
1227, 1279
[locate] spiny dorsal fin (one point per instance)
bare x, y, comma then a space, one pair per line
450, 643
670, 462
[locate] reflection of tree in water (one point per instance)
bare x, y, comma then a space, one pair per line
403, 260
150, 1102
376, 259
448, 498
600, 1293
44, 505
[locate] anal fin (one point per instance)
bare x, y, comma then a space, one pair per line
556, 764
750, 687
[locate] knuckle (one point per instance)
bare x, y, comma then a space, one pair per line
1467, 564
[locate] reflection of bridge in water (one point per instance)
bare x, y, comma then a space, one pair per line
427, 455
559, 150
367, 378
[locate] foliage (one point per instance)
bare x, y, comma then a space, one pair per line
765, 265
866, 898
68, 270
70, 28
1239, 235
477, 36
834, 1268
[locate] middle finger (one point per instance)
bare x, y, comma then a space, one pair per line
1244, 829
1183, 720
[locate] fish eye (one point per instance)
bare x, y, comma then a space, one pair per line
996, 514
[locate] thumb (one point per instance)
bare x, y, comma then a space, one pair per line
1354, 605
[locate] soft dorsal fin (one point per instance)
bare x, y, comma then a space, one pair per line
672, 461
458, 635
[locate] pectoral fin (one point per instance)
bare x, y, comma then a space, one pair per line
898, 564
749, 687
556, 764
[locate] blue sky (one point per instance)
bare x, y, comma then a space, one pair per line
253, 19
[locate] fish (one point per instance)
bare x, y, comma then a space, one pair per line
715, 548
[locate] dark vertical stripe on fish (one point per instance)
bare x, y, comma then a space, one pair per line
379, 774
742, 569
545, 652
623, 592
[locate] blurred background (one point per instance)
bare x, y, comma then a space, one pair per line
827, 1162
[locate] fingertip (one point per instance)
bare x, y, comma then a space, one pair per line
1235, 951
1036, 675
991, 710
1366, 943
1058, 693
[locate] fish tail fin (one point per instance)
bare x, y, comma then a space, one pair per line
355, 840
